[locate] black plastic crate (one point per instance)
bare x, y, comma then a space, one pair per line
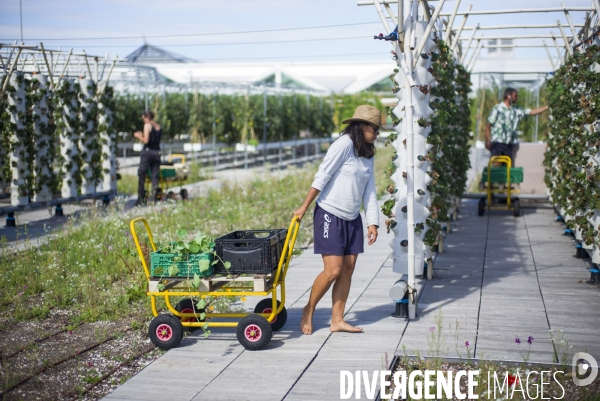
251, 251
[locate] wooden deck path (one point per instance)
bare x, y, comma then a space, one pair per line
500, 278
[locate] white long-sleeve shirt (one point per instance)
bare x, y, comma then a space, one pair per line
344, 181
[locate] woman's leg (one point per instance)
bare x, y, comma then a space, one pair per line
339, 296
155, 172
331, 271
142, 171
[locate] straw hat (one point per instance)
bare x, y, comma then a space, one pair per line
366, 114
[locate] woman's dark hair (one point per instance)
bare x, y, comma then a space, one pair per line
148, 114
355, 132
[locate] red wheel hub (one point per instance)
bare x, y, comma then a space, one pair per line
164, 332
188, 319
253, 333
269, 310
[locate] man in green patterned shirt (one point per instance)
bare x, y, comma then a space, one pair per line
501, 128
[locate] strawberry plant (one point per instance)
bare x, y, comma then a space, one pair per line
573, 154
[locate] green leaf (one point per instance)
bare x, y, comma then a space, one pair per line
206, 334
194, 248
204, 265
227, 265
215, 262
202, 316
182, 233
173, 270
205, 326
196, 282
201, 304
159, 271
160, 287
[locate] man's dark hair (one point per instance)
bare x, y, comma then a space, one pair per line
148, 114
361, 148
508, 92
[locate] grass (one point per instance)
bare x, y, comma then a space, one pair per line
382, 161
90, 267
128, 183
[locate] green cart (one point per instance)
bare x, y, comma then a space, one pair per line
501, 180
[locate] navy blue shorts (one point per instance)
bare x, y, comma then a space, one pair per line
501, 149
335, 236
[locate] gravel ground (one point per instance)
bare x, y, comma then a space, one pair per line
69, 379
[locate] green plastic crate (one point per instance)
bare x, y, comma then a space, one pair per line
165, 172
160, 262
498, 175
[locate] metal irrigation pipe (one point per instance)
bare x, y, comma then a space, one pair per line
451, 22
410, 223
382, 17
562, 32
65, 67
496, 27
10, 71
464, 56
596, 32
477, 46
88, 66
423, 41
560, 57
549, 55
391, 13
462, 25
569, 20
47, 66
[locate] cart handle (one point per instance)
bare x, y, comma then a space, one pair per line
177, 156
288, 247
499, 159
137, 241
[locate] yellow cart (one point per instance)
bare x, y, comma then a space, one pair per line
505, 177
254, 330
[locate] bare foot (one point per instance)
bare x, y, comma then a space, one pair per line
344, 327
306, 322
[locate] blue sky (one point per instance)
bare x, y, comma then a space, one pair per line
74, 20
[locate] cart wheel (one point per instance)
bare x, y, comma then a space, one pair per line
189, 306
481, 207
254, 332
165, 331
264, 306
517, 207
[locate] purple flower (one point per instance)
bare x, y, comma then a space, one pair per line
517, 340
467, 344
432, 328
530, 340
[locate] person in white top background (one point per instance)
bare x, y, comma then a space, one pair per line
345, 180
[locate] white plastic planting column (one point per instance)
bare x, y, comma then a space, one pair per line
43, 140
69, 139
108, 138
18, 157
89, 138
420, 124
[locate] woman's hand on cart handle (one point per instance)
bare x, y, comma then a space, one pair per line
372, 234
312, 194
300, 212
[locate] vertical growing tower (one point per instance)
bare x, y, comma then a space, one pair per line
424, 182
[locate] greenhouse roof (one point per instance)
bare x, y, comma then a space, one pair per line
151, 54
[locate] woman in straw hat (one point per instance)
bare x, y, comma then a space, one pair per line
344, 180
